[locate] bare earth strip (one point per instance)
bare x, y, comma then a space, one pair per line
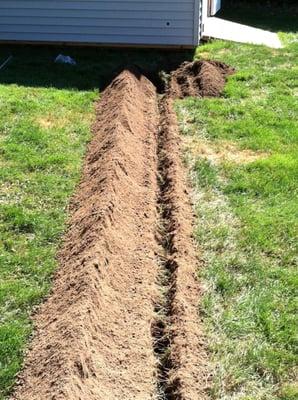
93, 338
188, 377
94, 335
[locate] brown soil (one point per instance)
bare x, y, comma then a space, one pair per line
100, 335
187, 377
93, 338
199, 79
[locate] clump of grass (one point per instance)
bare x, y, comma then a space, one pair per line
247, 221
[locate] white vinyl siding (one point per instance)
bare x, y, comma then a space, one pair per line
148, 22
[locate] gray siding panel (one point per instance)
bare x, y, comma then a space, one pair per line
97, 21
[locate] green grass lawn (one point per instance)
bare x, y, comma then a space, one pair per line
242, 151
43, 132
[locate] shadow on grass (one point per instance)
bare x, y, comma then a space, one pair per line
274, 15
96, 66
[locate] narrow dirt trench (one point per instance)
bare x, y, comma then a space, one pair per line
179, 344
122, 319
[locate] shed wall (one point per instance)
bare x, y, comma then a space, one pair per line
150, 22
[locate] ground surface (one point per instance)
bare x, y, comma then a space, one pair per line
121, 320
244, 142
43, 133
242, 151
45, 118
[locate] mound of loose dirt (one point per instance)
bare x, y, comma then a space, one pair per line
199, 79
93, 335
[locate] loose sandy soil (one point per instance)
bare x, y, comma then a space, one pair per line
187, 377
122, 319
199, 79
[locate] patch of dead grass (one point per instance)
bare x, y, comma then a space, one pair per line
50, 121
221, 151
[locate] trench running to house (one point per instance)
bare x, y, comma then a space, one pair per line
166, 276
122, 319
177, 339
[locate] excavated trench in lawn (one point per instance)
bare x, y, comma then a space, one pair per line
178, 339
121, 321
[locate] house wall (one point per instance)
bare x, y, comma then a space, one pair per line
150, 22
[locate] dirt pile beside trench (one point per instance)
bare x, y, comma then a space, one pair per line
199, 79
93, 338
